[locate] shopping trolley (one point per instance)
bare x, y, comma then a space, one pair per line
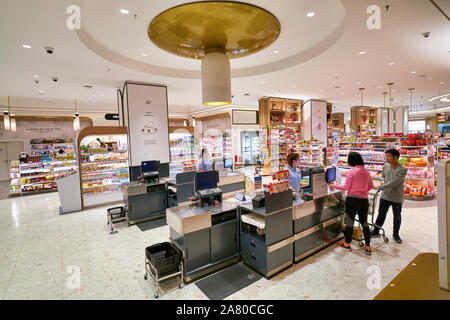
372, 224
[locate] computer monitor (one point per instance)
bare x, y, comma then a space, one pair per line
330, 175
206, 180
228, 163
149, 166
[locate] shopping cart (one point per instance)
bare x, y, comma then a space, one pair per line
372, 224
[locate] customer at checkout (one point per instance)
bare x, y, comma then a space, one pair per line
206, 163
357, 184
393, 180
293, 161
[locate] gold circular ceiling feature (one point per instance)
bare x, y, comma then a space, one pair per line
194, 29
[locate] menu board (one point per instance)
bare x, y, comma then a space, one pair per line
148, 123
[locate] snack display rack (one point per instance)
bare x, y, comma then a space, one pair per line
104, 164
14, 175
227, 153
183, 152
49, 159
214, 145
312, 153
418, 155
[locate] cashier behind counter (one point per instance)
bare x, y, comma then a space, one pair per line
293, 160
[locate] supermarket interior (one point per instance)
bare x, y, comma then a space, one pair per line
219, 150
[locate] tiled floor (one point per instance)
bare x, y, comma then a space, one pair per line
39, 250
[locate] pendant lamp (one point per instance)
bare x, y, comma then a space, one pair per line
13, 123
76, 119
6, 121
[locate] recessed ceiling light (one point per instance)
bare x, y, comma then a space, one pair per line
263, 82
430, 78
442, 82
124, 11
35, 76
359, 82
362, 52
26, 46
413, 72
144, 54
276, 51
311, 14
102, 95
391, 63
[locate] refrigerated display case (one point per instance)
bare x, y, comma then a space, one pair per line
103, 166
250, 146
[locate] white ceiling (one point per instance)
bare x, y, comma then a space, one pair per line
310, 63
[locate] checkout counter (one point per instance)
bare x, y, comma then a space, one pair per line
268, 238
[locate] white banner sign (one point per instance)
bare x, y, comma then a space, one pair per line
148, 123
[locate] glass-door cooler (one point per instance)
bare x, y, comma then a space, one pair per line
250, 146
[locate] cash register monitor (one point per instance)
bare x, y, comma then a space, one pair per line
149, 166
206, 180
330, 175
228, 163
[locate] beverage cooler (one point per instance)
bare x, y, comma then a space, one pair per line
250, 146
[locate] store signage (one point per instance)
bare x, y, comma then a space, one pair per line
148, 123
112, 116
447, 117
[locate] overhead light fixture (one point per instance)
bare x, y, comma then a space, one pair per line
391, 63
215, 37
185, 122
439, 97
263, 82
413, 72
144, 54
276, 51
362, 52
430, 78
193, 121
35, 76
6, 121
26, 46
124, 11
13, 123
76, 119
311, 14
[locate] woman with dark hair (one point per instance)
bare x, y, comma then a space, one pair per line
357, 184
293, 160
206, 163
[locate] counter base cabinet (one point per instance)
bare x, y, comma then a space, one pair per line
318, 237
266, 260
197, 250
309, 221
224, 241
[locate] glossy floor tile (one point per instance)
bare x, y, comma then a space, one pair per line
44, 255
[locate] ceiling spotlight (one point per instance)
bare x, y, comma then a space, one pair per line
124, 11
311, 14
144, 54
26, 46
276, 51
391, 63
362, 52
430, 78
35, 76
413, 72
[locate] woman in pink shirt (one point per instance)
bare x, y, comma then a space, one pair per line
357, 184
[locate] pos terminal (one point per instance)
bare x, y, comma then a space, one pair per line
206, 189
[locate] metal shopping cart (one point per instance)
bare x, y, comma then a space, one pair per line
372, 224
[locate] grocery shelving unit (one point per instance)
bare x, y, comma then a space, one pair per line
49, 159
363, 121
371, 151
420, 178
183, 152
103, 164
14, 176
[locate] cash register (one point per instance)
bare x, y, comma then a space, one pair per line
150, 171
317, 179
208, 193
